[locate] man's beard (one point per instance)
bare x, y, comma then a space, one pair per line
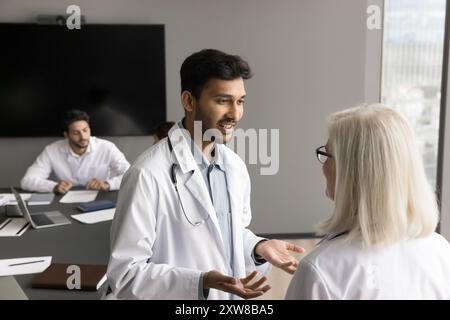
79, 146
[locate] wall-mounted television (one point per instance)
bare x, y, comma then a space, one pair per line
114, 72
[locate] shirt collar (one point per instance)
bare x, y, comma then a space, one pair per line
332, 236
88, 150
197, 152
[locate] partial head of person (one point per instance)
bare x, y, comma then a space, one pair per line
77, 130
376, 177
213, 92
162, 131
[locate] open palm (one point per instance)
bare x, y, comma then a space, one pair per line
278, 253
241, 287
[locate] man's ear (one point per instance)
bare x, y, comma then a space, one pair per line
188, 101
65, 134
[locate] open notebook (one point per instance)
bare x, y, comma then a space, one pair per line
60, 276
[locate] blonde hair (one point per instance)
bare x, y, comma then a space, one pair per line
381, 191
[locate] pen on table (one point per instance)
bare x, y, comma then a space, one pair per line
18, 264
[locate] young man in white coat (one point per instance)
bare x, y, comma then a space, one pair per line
180, 227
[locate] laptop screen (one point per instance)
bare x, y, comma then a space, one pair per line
22, 206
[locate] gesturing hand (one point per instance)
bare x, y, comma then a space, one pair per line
241, 287
277, 253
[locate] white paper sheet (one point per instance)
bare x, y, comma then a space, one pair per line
39, 199
3, 200
12, 199
11, 267
79, 196
10, 289
13, 227
95, 216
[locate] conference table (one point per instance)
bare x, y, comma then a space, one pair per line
75, 243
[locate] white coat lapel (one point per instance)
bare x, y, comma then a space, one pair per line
234, 185
194, 182
196, 186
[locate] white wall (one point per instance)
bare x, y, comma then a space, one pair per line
309, 59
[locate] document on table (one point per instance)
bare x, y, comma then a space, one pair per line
11, 267
79, 196
11, 200
10, 289
13, 227
3, 200
95, 216
38, 199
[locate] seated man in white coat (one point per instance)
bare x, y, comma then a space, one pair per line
78, 160
180, 228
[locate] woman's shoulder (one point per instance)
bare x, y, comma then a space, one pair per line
432, 244
333, 248
336, 249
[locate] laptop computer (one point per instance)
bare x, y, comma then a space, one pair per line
40, 219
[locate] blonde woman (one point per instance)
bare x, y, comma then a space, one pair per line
380, 241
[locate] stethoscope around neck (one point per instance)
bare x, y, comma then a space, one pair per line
173, 177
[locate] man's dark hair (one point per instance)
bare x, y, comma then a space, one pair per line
208, 64
74, 115
163, 129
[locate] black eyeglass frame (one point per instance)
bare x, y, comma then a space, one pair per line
322, 153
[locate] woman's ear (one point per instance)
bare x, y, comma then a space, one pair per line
188, 101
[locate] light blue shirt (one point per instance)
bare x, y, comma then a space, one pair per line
216, 181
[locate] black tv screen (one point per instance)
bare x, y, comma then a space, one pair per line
116, 73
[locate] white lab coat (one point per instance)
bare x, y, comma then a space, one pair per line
409, 269
102, 160
155, 252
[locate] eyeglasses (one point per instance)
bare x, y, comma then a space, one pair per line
322, 155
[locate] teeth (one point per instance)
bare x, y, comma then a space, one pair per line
226, 126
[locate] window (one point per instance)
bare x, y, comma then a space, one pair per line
413, 39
